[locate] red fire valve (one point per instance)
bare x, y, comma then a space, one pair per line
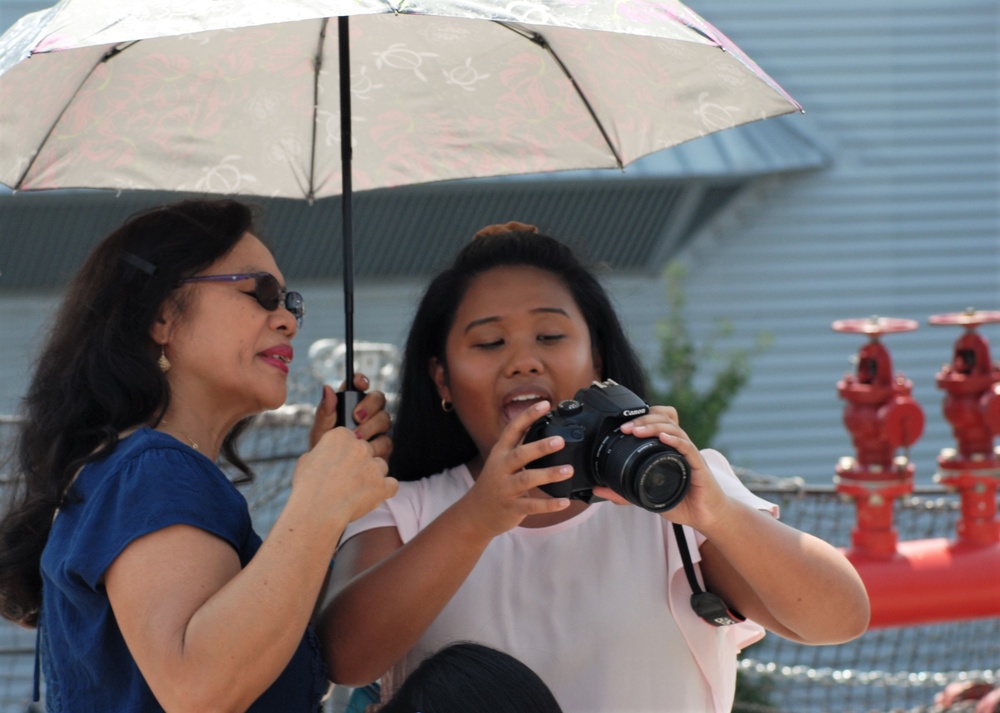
881, 415
972, 385
972, 405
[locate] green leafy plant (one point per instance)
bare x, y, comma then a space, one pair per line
681, 361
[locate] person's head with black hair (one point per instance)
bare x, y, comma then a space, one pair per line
467, 677
428, 437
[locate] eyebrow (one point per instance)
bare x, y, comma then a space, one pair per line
538, 310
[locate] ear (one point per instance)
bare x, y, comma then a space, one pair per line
439, 375
163, 325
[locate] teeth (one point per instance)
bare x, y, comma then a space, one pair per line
527, 397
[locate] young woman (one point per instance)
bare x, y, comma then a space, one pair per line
127, 546
591, 597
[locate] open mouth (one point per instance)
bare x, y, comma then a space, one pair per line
518, 404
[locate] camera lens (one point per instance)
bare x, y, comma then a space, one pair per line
661, 481
643, 471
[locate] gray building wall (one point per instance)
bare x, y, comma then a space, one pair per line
904, 223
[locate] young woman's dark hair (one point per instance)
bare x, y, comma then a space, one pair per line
97, 373
426, 439
471, 678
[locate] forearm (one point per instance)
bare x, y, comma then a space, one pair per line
242, 637
788, 580
371, 621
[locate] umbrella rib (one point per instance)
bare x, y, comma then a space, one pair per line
317, 69
113, 52
540, 40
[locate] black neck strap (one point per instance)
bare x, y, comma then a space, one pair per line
708, 606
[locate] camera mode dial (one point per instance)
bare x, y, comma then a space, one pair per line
569, 407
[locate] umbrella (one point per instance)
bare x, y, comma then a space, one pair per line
257, 97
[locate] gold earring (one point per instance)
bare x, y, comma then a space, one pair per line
446, 406
163, 362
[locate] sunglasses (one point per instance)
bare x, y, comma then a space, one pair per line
268, 293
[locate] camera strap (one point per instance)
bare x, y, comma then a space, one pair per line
708, 606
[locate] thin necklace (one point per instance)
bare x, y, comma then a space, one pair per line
163, 422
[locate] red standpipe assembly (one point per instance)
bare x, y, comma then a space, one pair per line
972, 407
934, 580
881, 417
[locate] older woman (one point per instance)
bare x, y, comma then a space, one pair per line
127, 546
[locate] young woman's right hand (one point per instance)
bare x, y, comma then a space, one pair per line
342, 477
504, 492
372, 419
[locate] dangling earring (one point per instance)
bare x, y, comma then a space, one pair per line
163, 362
446, 406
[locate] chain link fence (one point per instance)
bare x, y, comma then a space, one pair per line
885, 670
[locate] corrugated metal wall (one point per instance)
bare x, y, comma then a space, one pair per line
904, 223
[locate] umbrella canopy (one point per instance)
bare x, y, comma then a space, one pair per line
258, 97
242, 96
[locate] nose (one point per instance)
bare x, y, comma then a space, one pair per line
284, 321
524, 359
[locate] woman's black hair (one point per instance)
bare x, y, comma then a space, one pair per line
472, 678
97, 374
426, 439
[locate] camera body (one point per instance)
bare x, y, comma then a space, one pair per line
644, 471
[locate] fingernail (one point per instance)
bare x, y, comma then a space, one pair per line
542, 406
359, 436
554, 442
360, 415
565, 470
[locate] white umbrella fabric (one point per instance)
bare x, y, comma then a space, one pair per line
244, 96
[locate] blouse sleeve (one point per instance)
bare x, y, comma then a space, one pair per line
153, 490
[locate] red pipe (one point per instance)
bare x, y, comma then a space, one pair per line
931, 581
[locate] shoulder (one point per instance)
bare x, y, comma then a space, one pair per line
151, 462
148, 483
416, 504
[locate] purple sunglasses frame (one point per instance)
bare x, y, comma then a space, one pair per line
292, 301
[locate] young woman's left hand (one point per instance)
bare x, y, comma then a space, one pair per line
704, 497
370, 414
764, 569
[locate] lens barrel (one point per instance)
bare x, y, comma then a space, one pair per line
643, 471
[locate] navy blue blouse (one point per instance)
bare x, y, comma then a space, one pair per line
151, 481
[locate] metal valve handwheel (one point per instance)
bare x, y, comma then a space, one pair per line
968, 318
875, 326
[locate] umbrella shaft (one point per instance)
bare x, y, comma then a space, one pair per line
346, 208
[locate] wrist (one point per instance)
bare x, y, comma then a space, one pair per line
722, 519
467, 525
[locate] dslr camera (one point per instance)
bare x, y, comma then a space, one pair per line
642, 470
